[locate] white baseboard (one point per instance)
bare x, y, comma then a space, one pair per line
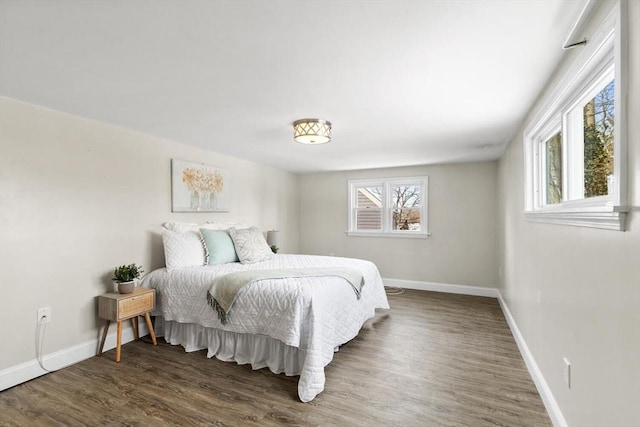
543, 389
442, 287
26, 371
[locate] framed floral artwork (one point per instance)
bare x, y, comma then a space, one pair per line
196, 187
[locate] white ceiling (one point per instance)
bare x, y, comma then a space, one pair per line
404, 82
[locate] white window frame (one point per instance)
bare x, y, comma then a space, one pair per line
387, 216
603, 52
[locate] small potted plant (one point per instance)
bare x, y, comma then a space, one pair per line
126, 276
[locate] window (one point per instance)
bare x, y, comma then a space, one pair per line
553, 169
394, 207
594, 119
368, 207
574, 147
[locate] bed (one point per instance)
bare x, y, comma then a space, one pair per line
291, 325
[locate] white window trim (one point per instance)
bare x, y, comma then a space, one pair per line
607, 212
386, 231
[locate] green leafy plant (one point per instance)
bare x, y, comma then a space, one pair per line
127, 273
274, 249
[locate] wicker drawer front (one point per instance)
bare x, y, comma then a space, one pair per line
129, 307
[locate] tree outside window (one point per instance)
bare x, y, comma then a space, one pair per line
406, 201
598, 141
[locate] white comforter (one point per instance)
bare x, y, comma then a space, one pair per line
314, 314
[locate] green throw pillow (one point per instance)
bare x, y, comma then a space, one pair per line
219, 246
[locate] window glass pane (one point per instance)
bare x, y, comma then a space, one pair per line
598, 142
369, 208
406, 219
406, 201
369, 197
553, 173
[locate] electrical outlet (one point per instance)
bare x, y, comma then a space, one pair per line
44, 315
567, 372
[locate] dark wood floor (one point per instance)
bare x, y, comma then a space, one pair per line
435, 360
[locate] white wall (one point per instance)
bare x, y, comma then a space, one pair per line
589, 285
462, 211
78, 197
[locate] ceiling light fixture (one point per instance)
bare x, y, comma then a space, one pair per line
312, 131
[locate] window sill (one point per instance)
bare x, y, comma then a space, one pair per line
608, 217
401, 235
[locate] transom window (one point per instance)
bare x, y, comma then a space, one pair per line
388, 207
574, 148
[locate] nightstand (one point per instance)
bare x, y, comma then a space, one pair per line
116, 307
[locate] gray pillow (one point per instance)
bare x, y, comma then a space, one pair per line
250, 245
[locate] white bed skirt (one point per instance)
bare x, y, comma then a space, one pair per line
260, 351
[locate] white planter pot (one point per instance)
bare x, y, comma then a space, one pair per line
126, 287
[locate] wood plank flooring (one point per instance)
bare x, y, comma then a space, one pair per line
435, 360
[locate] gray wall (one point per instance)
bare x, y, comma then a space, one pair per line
588, 281
462, 220
78, 197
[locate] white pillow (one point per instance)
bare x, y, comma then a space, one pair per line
183, 249
192, 226
250, 245
181, 226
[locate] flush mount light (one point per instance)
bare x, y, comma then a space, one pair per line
312, 131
